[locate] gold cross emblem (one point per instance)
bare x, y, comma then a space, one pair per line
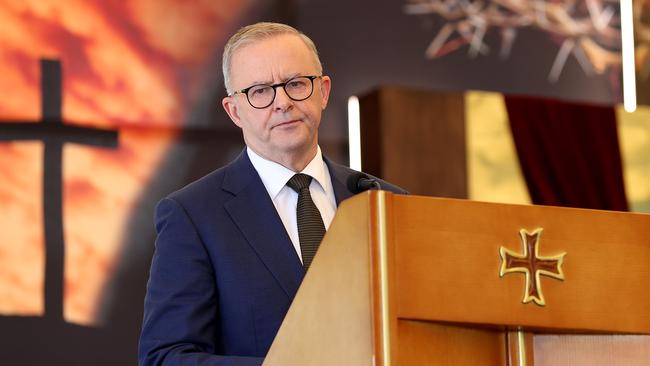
531, 264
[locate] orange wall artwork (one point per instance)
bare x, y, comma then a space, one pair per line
136, 68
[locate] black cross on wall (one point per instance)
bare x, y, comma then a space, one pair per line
54, 133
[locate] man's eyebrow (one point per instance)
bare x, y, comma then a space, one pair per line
286, 78
291, 76
260, 83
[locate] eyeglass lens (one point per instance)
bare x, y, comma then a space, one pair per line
261, 96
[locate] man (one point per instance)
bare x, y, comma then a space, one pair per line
232, 247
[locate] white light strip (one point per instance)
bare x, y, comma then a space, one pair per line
354, 133
627, 41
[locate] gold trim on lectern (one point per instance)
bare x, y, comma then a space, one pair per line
383, 260
521, 347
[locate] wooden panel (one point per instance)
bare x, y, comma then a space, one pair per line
422, 343
591, 350
415, 139
329, 322
442, 260
447, 263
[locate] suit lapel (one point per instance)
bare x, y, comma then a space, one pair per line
252, 210
254, 213
339, 175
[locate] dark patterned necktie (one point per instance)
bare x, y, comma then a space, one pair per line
310, 223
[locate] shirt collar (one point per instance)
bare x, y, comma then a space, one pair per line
275, 176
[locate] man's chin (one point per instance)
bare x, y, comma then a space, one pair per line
296, 147
292, 138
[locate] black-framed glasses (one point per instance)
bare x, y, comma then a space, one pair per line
262, 95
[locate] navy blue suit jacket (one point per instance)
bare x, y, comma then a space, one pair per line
224, 271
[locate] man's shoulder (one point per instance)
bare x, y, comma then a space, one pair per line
212, 185
208, 182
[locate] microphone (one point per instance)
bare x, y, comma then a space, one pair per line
359, 182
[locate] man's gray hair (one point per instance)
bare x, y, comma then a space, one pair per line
257, 32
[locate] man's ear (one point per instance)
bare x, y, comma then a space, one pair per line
231, 109
325, 87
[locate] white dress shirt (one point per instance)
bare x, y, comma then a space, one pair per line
275, 178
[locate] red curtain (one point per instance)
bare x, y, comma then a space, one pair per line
568, 152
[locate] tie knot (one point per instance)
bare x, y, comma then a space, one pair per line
299, 182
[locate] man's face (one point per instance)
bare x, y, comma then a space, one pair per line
287, 130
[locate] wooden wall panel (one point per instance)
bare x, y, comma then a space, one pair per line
415, 139
592, 350
426, 343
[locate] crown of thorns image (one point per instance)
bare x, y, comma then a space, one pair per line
587, 29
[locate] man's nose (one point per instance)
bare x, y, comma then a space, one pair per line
282, 101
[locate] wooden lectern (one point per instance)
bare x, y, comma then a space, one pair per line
408, 280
